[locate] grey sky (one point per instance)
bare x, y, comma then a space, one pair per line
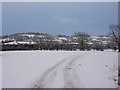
93, 18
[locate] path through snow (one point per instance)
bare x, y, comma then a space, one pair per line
62, 75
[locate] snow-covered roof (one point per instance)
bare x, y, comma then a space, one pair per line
74, 43
7, 39
21, 42
90, 43
41, 36
11, 43
94, 37
18, 42
62, 38
28, 35
74, 37
104, 42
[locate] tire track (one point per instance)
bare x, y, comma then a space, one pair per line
71, 77
49, 76
62, 75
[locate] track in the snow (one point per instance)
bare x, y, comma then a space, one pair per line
62, 75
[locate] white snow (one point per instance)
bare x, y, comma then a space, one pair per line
62, 38
90, 43
74, 43
59, 69
18, 42
11, 43
21, 42
104, 42
28, 35
42, 36
0, 70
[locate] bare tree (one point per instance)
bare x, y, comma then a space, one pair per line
82, 38
115, 32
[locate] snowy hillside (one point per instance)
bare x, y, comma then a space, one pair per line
59, 69
35, 37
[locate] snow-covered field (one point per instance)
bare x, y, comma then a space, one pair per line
59, 69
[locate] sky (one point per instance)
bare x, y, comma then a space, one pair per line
56, 18
0, 19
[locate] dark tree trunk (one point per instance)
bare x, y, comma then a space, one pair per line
119, 47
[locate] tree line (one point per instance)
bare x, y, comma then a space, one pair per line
48, 43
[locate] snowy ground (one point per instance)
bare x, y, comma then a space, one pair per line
59, 69
0, 70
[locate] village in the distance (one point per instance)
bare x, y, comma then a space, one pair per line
40, 41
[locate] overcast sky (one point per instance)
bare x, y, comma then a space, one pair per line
59, 18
